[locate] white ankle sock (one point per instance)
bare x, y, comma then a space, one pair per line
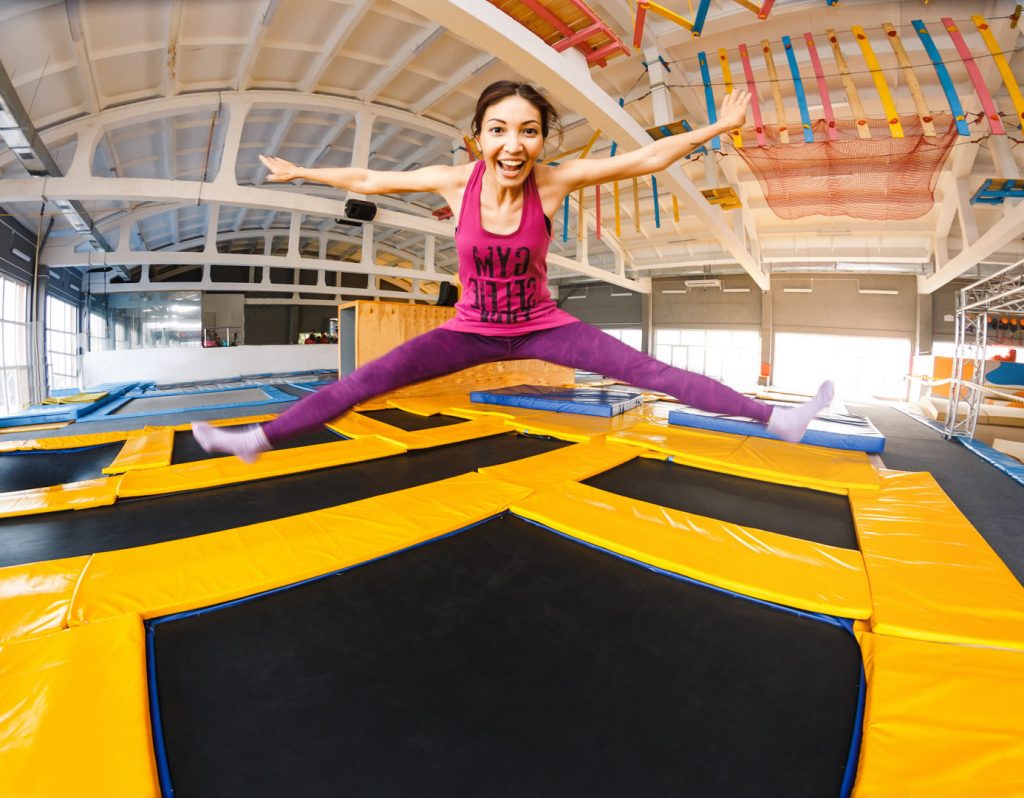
790, 423
246, 443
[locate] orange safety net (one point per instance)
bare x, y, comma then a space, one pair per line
880, 178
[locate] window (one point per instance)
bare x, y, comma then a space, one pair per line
633, 336
861, 367
98, 333
13, 346
732, 356
61, 351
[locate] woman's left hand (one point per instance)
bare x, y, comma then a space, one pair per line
733, 111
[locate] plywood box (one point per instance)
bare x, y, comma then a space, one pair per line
370, 329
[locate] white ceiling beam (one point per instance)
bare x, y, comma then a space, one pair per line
469, 70
340, 34
400, 61
1004, 231
568, 79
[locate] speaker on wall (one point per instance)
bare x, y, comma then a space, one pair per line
360, 210
447, 296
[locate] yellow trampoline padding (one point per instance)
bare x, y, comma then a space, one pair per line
230, 470
74, 714
753, 562
940, 720
207, 569
70, 496
63, 442
74, 398
571, 463
567, 426
150, 449
34, 598
933, 577
815, 467
355, 425
429, 405
33, 428
226, 422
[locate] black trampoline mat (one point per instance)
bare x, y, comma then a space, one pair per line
188, 450
505, 661
797, 512
42, 469
184, 401
139, 522
411, 422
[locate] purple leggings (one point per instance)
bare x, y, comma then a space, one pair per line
441, 351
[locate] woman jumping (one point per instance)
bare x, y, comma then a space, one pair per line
504, 203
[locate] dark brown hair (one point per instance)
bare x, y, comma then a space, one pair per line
501, 89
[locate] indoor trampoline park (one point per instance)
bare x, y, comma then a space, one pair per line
511, 398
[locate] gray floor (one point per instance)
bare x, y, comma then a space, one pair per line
992, 501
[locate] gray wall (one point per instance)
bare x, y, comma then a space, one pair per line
706, 308
605, 305
281, 324
837, 307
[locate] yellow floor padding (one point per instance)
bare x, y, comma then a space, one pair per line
229, 422
82, 714
572, 463
429, 405
764, 565
149, 449
356, 425
567, 426
63, 442
34, 598
70, 496
815, 467
230, 470
933, 577
941, 720
196, 572
33, 428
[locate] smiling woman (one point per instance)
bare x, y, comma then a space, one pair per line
503, 203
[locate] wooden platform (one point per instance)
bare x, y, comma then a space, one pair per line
371, 329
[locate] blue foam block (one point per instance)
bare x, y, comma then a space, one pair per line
1011, 466
605, 402
855, 433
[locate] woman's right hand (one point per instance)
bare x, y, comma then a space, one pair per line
281, 171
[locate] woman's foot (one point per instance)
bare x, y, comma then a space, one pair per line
246, 443
790, 423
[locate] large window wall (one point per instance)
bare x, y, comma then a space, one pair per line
732, 356
13, 345
862, 367
61, 347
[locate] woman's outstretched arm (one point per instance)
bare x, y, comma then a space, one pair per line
438, 179
654, 157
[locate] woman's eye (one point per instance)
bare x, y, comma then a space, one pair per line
495, 130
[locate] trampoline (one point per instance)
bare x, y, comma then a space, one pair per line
635, 608
542, 668
38, 469
151, 403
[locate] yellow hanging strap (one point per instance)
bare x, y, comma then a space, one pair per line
723, 59
878, 76
1004, 68
581, 226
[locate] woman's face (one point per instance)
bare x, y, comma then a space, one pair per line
510, 139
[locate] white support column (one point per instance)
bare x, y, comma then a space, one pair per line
212, 225
237, 109
965, 213
368, 256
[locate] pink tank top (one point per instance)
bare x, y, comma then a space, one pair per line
504, 277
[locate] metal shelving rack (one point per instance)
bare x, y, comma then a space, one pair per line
1002, 293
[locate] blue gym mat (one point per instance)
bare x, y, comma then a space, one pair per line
605, 402
835, 431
